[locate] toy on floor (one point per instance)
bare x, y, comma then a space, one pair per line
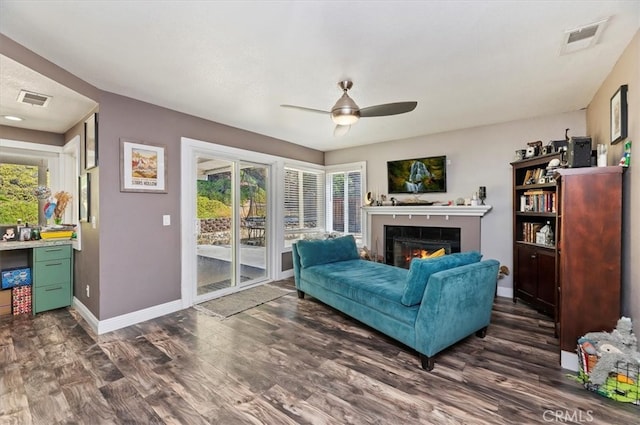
610, 362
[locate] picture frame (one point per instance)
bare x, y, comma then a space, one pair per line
84, 195
418, 175
91, 142
10, 235
618, 108
25, 234
143, 167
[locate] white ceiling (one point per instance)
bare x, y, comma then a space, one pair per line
466, 63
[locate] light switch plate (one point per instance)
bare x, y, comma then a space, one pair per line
166, 220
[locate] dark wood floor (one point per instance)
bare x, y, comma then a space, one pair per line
289, 361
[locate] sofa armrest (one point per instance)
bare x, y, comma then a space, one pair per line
456, 303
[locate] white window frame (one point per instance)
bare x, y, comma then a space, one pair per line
321, 205
331, 170
64, 167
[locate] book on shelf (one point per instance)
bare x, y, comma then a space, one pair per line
529, 231
533, 176
538, 200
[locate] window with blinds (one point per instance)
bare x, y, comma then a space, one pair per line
303, 203
345, 215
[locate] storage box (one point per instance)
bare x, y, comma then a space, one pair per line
56, 234
15, 277
21, 300
623, 383
5, 303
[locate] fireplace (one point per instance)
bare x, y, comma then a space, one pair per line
403, 243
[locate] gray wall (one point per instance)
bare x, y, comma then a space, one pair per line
139, 258
626, 71
130, 261
32, 136
479, 157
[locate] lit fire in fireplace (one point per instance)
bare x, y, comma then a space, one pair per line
417, 253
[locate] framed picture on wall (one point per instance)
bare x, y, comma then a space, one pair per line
619, 115
91, 142
143, 167
84, 193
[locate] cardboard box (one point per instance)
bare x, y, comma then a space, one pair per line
15, 277
5, 303
21, 300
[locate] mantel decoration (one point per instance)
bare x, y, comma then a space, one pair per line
143, 167
91, 142
619, 115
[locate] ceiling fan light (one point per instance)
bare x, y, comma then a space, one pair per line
345, 116
345, 111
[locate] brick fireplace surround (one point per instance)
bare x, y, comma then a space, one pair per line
467, 218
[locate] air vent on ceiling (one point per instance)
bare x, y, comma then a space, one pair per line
34, 99
582, 37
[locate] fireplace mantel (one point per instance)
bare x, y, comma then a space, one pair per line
445, 210
465, 217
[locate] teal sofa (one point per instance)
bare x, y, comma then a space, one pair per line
434, 304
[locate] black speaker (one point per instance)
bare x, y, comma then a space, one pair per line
579, 152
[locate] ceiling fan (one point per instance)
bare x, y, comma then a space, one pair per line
346, 112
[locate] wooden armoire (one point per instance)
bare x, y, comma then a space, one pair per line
589, 249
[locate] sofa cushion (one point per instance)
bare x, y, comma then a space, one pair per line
323, 251
421, 269
375, 285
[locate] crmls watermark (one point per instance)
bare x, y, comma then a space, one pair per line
571, 416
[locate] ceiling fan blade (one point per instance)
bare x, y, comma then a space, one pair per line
341, 130
388, 109
302, 108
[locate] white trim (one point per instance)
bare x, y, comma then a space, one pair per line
446, 210
16, 144
189, 147
330, 170
86, 314
569, 360
103, 326
70, 160
505, 292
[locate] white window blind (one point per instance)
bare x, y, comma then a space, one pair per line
345, 213
303, 203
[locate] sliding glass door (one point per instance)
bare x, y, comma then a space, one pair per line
231, 225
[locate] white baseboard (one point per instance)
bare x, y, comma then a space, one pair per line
569, 360
86, 314
285, 274
505, 292
119, 322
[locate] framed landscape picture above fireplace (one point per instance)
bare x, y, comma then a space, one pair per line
420, 175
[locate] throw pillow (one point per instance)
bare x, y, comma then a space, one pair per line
323, 251
436, 254
421, 270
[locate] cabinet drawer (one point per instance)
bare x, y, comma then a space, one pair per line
50, 272
47, 253
52, 296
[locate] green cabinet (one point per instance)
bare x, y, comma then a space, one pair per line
52, 277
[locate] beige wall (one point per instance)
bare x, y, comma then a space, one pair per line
479, 156
625, 71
